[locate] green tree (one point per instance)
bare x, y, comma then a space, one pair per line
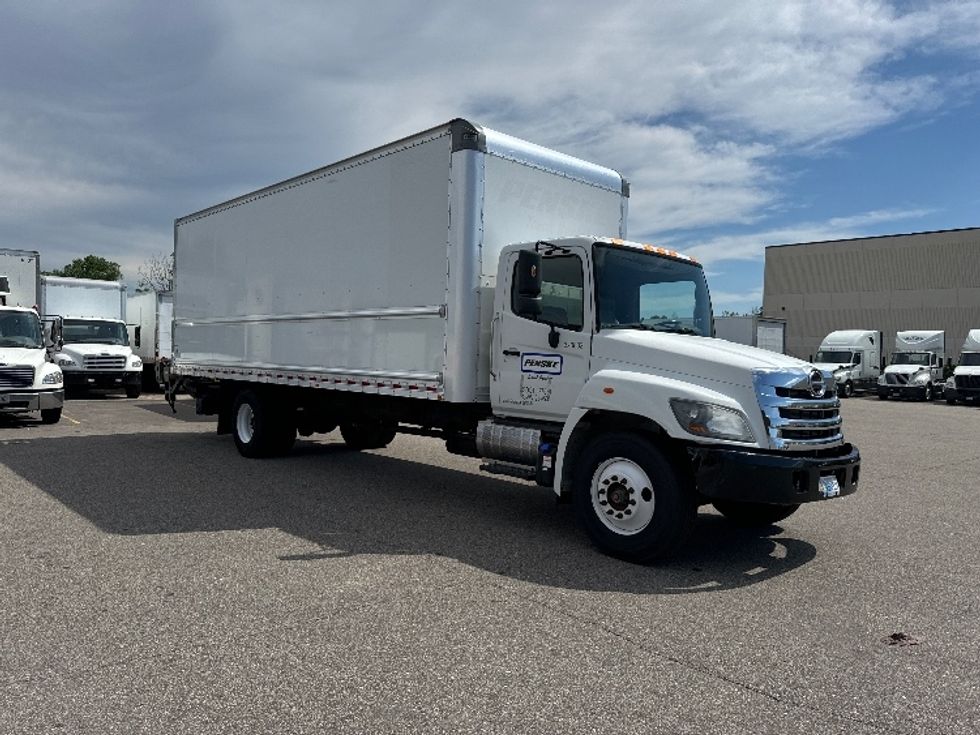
91, 266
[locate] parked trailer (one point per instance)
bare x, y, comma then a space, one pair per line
854, 357
964, 384
29, 379
757, 331
916, 370
150, 320
435, 286
96, 352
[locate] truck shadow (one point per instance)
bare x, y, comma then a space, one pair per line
347, 503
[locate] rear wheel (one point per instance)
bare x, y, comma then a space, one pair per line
367, 433
50, 415
630, 499
260, 427
747, 514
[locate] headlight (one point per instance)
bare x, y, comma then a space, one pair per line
881, 380
711, 420
921, 378
840, 376
137, 363
66, 362
53, 378
950, 383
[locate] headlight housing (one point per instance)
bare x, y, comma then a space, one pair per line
921, 378
950, 383
711, 420
55, 378
66, 362
840, 376
137, 363
881, 380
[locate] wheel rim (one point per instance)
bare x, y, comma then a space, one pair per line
245, 423
622, 496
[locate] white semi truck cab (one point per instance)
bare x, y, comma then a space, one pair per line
916, 369
964, 384
584, 363
95, 352
853, 357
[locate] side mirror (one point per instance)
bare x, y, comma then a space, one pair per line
527, 284
136, 336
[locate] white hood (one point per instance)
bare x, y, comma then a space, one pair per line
704, 357
81, 350
22, 356
905, 369
833, 367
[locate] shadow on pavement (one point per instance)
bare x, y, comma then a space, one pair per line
349, 503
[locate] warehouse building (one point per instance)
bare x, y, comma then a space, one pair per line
925, 280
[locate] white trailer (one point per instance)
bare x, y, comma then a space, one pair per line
964, 384
441, 285
854, 357
752, 329
149, 316
29, 379
96, 351
916, 369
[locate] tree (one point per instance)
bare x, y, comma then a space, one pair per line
157, 274
91, 266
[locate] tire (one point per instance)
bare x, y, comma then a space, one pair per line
50, 415
133, 391
950, 401
882, 396
260, 427
750, 515
367, 433
848, 390
927, 396
631, 500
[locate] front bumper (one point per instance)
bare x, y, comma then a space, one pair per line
35, 400
777, 479
102, 378
916, 392
962, 394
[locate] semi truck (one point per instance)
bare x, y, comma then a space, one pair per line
854, 357
964, 384
95, 352
29, 379
149, 317
916, 369
441, 286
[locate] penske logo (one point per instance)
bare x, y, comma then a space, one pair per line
542, 364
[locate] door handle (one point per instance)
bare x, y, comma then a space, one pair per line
512, 353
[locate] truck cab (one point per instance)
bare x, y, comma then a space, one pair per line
916, 369
29, 381
964, 384
853, 357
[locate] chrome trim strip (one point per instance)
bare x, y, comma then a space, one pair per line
398, 312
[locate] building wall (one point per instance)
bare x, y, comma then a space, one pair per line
928, 280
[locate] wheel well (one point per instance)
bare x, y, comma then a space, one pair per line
598, 422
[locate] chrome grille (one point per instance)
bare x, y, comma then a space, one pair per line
796, 419
967, 381
104, 362
16, 376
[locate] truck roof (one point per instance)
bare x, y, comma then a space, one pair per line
667, 253
849, 337
972, 342
920, 340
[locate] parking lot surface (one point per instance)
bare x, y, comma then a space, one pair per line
155, 581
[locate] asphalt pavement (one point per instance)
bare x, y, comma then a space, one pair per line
154, 581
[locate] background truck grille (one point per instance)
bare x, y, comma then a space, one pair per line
16, 376
967, 381
796, 419
896, 378
104, 362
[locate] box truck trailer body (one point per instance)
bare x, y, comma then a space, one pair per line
916, 369
443, 285
149, 317
853, 357
964, 384
95, 352
29, 379
750, 329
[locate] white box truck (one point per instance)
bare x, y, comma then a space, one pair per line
853, 357
437, 286
149, 317
95, 352
752, 329
964, 384
916, 369
29, 379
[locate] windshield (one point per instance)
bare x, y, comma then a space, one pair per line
970, 358
20, 329
94, 331
910, 358
639, 290
841, 357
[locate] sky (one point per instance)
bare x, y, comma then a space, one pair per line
738, 124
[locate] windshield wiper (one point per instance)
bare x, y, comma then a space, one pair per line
652, 328
678, 330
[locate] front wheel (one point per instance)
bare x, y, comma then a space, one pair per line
743, 513
133, 391
927, 396
260, 427
951, 401
847, 390
631, 500
50, 415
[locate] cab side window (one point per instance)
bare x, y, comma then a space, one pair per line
562, 292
